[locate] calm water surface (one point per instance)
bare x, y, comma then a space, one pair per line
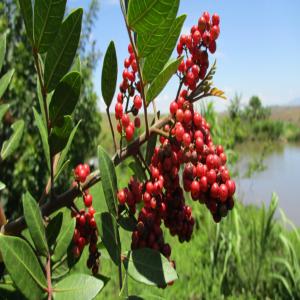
281, 176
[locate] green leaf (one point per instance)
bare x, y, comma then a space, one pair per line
41, 101
148, 41
44, 135
108, 230
77, 286
23, 267
127, 222
48, 15
59, 135
53, 228
76, 67
2, 49
65, 97
35, 224
109, 180
60, 55
3, 109
27, 14
146, 14
61, 169
2, 186
5, 81
64, 238
109, 74
150, 267
12, 143
137, 169
133, 297
162, 79
155, 62
64, 153
150, 147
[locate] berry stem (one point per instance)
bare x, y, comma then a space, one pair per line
140, 76
111, 128
48, 273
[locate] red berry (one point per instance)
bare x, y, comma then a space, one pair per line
173, 107
76, 251
223, 193
206, 38
149, 187
231, 187
137, 122
119, 128
137, 102
211, 176
179, 132
129, 131
212, 47
127, 63
82, 220
186, 139
179, 115
214, 32
206, 16
189, 63
88, 200
202, 24
181, 67
215, 190
223, 158
195, 70
215, 19
197, 37
119, 110
93, 223
187, 116
153, 203
91, 210
195, 188
130, 49
86, 167
197, 119
125, 120
121, 197
76, 235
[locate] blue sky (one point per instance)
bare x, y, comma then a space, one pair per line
258, 50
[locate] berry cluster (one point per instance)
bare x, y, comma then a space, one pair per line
187, 144
86, 229
127, 91
202, 38
205, 174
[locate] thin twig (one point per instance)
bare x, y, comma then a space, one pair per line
66, 199
111, 128
48, 273
141, 158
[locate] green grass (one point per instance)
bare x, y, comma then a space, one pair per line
250, 255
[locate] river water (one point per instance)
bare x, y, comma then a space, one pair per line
281, 176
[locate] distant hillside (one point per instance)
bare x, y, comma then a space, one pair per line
295, 102
286, 113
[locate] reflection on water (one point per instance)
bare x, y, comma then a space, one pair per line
281, 176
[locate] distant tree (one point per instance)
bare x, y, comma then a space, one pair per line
255, 109
23, 171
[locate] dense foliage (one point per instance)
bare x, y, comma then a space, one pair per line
24, 170
68, 238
